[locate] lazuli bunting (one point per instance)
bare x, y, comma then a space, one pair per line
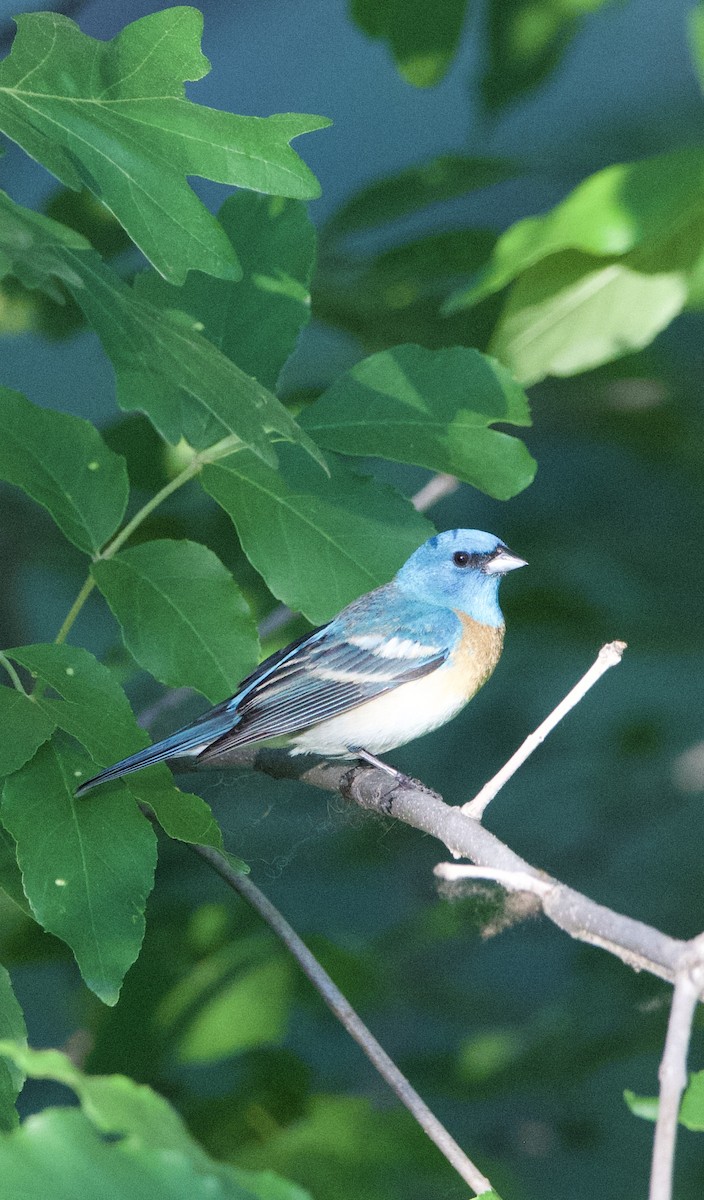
393, 665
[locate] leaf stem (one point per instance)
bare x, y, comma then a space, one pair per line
16, 681
228, 445
88, 585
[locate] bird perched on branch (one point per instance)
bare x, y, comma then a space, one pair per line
393, 665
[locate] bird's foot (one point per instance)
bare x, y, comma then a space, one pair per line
373, 761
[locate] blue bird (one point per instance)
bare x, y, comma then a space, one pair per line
393, 665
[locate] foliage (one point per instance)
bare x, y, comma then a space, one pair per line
122, 1137
691, 1109
221, 491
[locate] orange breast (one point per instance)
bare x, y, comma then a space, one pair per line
478, 652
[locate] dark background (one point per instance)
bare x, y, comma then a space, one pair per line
522, 1042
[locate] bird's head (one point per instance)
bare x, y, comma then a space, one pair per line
460, 569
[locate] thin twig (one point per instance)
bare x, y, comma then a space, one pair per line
673, 1068
344, 1012
513, 881
226, 446
16, 681
163, 704
609, 656
275, 620
435, 489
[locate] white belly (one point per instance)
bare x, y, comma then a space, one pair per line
390, 720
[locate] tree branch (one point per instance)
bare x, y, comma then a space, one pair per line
343, 1010
609, 656
673, 1067
640, 946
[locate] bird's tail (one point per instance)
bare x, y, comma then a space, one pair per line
185, 743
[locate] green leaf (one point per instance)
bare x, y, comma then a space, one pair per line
572, 312
10, 874
374, 1152
318, 542
254, 322
114, 116
87, 868
182, 615
527, 39
624, 207
422, 37
28, 243
125, 1141
182, 815
691, 1109
696, 40
433, 408
232, 1000
25, 726
398, 295
429, 182
12, 1027
95, 711
168, 370
63, 463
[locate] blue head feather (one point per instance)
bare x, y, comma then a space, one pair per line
460, 569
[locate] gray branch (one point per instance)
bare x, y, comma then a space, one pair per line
640, 946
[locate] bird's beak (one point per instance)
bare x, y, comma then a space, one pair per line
503, 561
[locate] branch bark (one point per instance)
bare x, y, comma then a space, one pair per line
673, 1067
640, 946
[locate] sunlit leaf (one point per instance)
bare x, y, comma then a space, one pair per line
434, 408
318, 542
691, 1109
572, 312
615, 211
114, 116
62, 462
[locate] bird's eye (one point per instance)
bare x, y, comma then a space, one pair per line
461, 558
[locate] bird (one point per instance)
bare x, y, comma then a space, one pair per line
394, 664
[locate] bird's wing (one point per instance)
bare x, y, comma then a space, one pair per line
376, 644
334, 669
